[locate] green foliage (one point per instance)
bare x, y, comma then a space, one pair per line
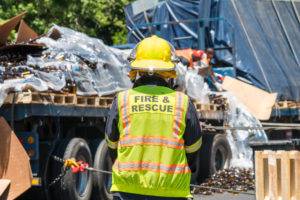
103, 19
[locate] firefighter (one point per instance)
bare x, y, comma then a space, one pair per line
201, 61
153, 133
193, 57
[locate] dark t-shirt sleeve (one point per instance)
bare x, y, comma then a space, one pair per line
192, 137
111, 130
192, 133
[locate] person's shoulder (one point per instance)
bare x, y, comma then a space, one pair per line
183, 94
122, 92
189, 99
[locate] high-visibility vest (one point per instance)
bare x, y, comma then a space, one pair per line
151, 154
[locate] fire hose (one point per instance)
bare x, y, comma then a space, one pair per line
81, 166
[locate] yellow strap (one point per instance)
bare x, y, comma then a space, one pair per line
71, 162
194, 147
111, 144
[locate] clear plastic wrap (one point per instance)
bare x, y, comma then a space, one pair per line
54, 80
108, 73
22, 84
192, 83
239, 116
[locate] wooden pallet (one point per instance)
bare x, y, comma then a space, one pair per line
277, 175
72, 99
58, 99
287, 104
207, 107
207, 114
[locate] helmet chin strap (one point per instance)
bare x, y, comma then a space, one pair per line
150, 72
169, 81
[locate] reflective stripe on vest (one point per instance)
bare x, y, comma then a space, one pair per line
160, 141
149, 166
111, 144
194, 147
178, 114
124, 112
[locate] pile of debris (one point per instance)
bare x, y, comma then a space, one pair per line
63, 60
233, 179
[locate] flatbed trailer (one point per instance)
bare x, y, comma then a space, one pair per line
285, 113
286, 109
67, 125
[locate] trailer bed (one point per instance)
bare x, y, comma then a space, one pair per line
27, 104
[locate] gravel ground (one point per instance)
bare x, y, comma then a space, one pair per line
224, 196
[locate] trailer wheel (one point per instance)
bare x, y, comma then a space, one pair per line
76, 186
215, 154
102, 182
220, 154
203, 159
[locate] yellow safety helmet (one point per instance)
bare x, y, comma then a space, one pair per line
153, 54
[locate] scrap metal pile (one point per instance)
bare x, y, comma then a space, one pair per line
62, 60
234, 179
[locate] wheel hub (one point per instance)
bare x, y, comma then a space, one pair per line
81, 181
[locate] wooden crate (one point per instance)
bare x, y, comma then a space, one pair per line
287, 104
35, 98
206, 107
105, 101
58, 99
277, 175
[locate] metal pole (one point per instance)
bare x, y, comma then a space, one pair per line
134, 33
280, 124
148, 22
199, 35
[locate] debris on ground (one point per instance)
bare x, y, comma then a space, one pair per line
234, 179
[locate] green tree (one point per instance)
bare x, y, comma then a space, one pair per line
103, 19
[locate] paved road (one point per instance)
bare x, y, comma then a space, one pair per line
224, 196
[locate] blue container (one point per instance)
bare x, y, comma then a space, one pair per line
225, 71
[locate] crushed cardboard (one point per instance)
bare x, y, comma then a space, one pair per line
25, 33
14, 162
8, 26
4, 188
258, 101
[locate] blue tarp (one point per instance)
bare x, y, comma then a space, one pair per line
264, 34
164, 12
267, 35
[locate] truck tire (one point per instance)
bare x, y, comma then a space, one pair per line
203, 159
220, 154
102, 181
215, 154
75, 186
